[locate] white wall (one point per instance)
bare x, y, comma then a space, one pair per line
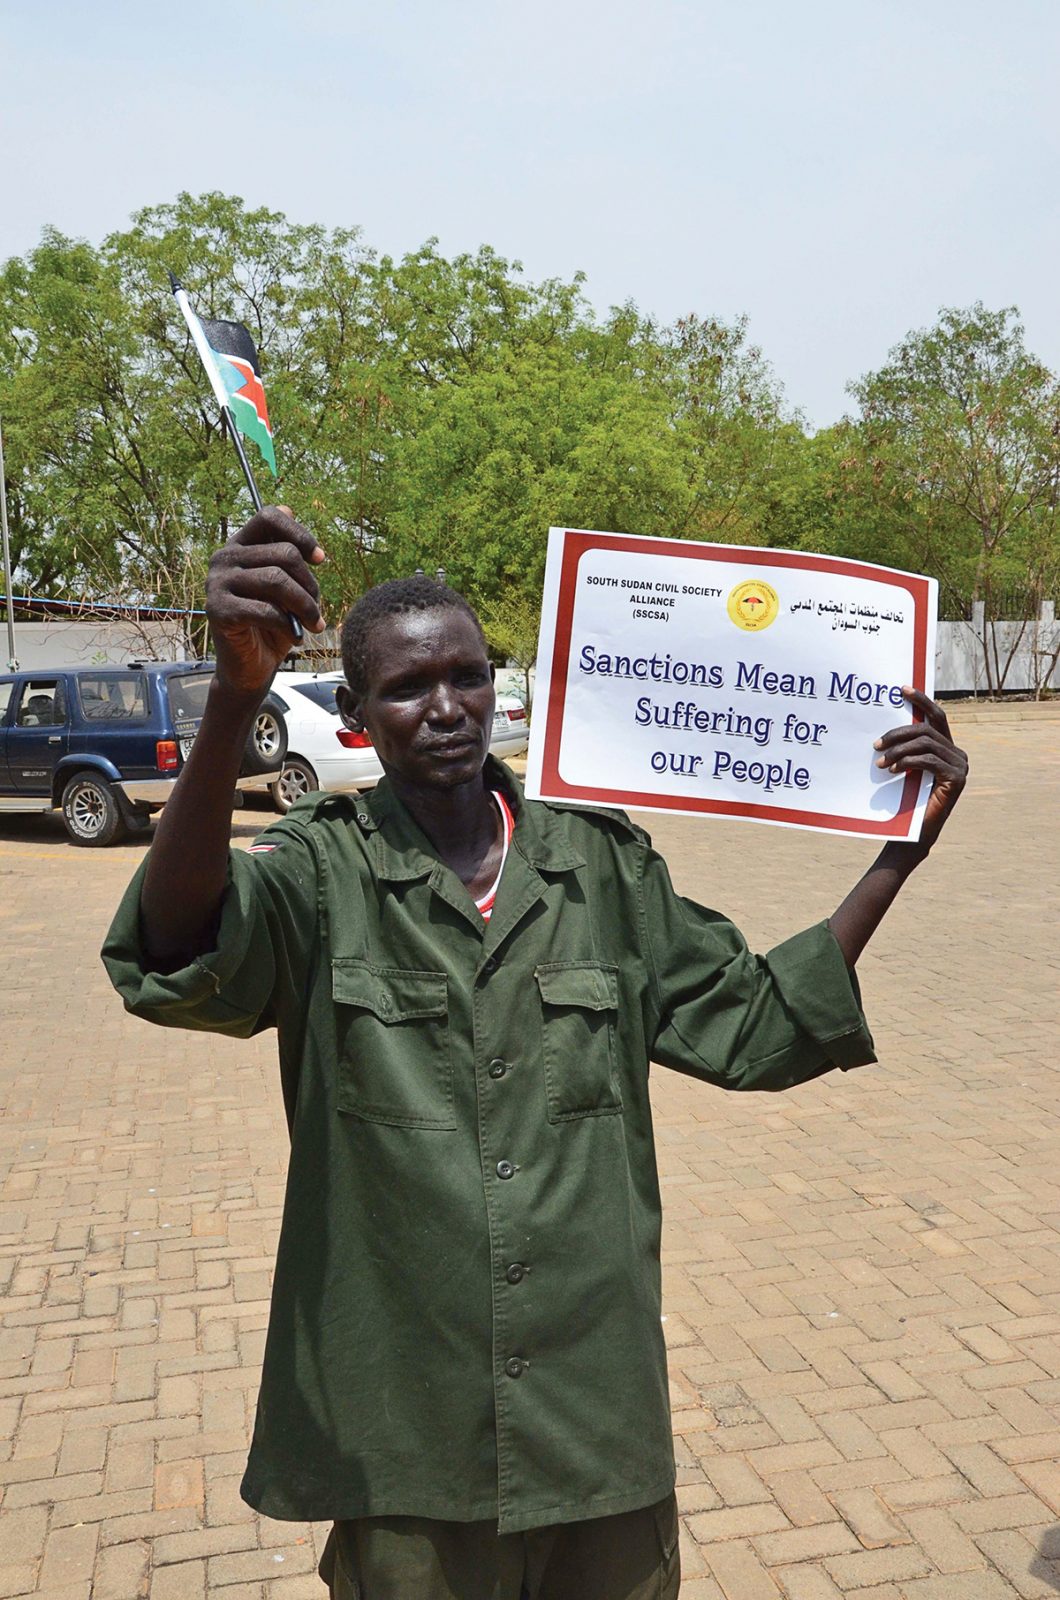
58, 643
959, 657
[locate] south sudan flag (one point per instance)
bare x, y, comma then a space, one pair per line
231, 361
237, 362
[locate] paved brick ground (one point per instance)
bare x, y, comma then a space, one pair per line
862, 1276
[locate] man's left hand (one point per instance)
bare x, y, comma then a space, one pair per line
927, 747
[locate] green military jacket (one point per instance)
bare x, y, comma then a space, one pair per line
466, 1314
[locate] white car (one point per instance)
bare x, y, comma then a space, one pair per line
323, 754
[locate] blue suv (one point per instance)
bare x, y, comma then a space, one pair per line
105, 744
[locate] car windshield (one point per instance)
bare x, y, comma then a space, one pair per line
187, 695
320, 691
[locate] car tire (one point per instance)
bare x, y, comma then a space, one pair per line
91, 812
296, 778
266, 744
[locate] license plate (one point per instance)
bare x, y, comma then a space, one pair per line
185, 748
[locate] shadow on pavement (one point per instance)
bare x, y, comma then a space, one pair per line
1046, 1563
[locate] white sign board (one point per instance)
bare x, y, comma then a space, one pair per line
725, 681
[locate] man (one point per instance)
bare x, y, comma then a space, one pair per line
465, 1369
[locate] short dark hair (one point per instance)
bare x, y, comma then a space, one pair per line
390, 600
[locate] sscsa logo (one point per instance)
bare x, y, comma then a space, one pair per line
753, 605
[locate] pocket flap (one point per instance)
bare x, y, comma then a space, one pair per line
578, 983
393, 994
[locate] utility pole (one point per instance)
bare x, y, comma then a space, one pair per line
12, 658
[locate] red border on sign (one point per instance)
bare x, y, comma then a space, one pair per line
556, 788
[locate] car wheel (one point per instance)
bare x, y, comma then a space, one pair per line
91, 811
266, 743
296, 778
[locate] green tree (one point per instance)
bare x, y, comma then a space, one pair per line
960, 435
121, 480
611, 424
427, 411
511, 624
544, 431
728, 418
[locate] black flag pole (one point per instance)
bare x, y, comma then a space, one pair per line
233, 433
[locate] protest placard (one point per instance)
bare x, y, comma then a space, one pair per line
728, 681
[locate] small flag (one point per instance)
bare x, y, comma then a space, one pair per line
231, 361
227, 352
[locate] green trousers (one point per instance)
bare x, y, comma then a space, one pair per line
629, 1557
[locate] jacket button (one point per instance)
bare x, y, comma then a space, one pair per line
516, 1272
497, 1067
514, 1367
490, 964
505, 1169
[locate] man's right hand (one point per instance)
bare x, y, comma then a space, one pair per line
256, 582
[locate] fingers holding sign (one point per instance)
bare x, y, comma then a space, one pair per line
927, 746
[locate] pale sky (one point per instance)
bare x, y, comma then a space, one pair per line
837, 170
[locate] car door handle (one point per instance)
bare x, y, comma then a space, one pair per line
55, 738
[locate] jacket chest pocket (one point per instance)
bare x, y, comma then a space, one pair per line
579, 1009
393, 1045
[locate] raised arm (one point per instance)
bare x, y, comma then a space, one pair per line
922, 747
262, 576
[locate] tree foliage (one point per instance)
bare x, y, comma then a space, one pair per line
960, 440
445, 412
427, 411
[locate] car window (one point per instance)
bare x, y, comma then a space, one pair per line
321, 693
112, 697
187, 694
5, 697
43, 704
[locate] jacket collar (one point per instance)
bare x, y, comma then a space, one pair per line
402, 853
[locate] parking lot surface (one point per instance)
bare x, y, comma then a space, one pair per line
862, 1276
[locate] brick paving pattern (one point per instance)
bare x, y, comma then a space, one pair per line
862, 1276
